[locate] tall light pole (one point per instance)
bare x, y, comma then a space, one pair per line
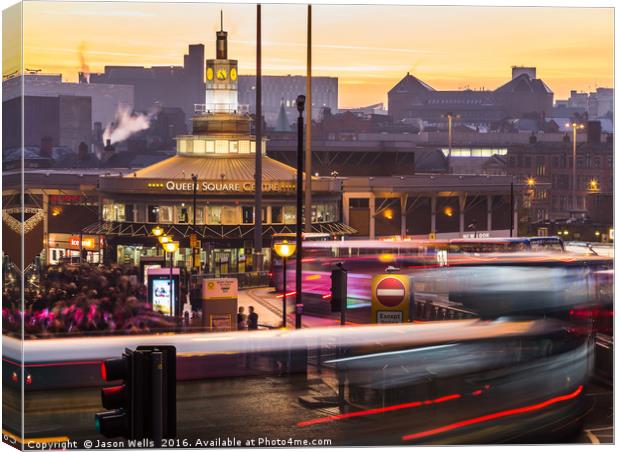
258, 166
450, 116
575, 126
308, 193
195, 182
512, 206
301, 100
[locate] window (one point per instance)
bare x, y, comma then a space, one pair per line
165, 214
200, 146
117, 212
214, 215
288, 214
129, 215
247, 214
152, 214
359, 203
541, 169
200, 219
229, 215
276, 214
183, 214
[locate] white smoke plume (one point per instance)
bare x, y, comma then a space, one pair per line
126, 123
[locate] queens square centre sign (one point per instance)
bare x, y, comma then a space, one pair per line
232, 186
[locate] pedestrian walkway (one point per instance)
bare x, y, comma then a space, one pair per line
269, 309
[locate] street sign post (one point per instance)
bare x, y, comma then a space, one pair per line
391, 298
219, 303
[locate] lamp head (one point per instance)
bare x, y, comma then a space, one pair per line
301, 103
164, 239
284, 249
157, 231
171, 246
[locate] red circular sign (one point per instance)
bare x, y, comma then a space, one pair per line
390, 291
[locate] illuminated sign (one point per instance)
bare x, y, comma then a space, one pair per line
220, 186
391, 299
87, 243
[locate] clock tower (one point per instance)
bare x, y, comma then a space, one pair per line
221, 96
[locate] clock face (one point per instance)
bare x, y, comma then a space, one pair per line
233, 74
209, 73
221, 74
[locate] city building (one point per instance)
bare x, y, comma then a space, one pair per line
161, 86
429, 205
48, 122
66, 112
549, 167
412, 99
284, 89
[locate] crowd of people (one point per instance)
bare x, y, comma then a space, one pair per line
81, 299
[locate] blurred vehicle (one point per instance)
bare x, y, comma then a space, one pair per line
365, 258
525, 284
604, 323
455, 382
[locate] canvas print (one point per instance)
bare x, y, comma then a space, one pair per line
306, 225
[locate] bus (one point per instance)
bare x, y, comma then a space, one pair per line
365, 258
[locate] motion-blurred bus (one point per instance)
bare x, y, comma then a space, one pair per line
365, 258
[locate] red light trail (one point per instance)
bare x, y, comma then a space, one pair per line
401, 406
497, 415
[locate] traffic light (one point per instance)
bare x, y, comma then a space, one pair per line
143, 405
339, 288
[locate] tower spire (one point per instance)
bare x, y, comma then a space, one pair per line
221, 20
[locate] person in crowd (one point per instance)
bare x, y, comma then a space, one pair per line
252, 319
241, 319
80, 299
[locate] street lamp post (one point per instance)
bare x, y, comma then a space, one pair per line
171, 247
195, 182
450, 116
163, 240
512, 206
284, 250
301, 101
575, 126
158, 231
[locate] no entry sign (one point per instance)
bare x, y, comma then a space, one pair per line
390, 298
390, 291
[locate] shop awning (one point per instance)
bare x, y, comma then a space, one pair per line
208, 232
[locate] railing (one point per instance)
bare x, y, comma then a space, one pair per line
427, 310
245, 280
241, 109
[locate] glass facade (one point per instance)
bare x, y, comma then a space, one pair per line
225, 214
204, 145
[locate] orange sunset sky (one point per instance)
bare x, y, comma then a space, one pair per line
369, 48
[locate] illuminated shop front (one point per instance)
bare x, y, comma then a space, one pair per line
132, 204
